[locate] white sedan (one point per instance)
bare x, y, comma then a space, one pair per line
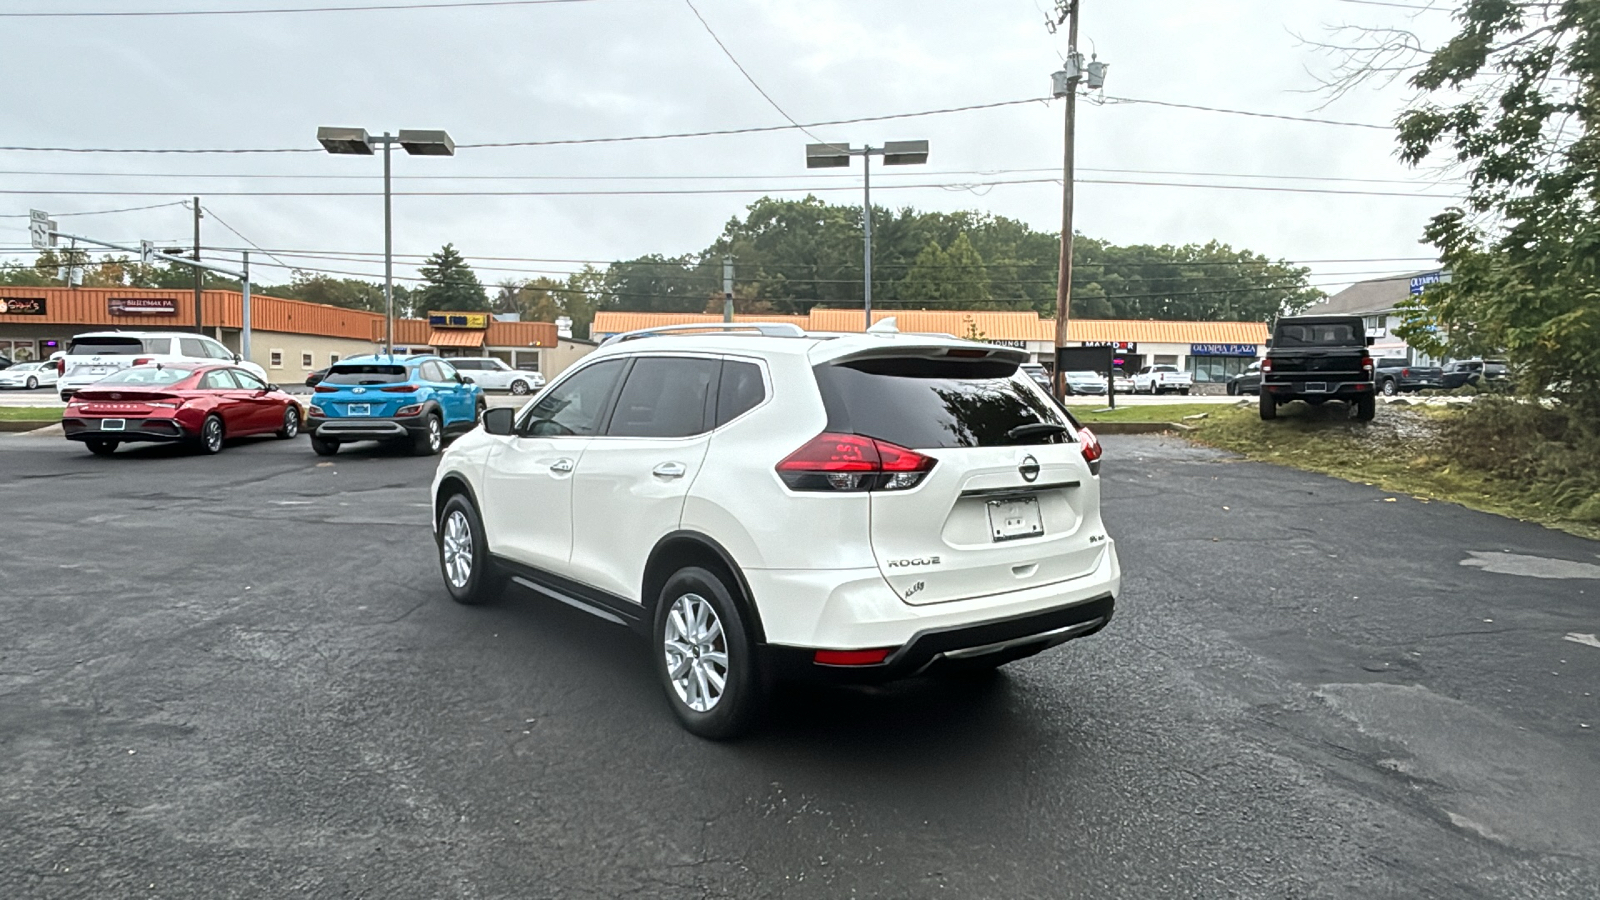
29, 375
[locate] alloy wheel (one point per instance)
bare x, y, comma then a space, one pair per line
212, 434
696, 652
457, 549
519, 387
434, 437
291, 422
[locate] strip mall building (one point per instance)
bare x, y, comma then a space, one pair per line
288, 337
1211, 351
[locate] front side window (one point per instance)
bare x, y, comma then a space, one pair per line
574, 406
666, 397
447, 372
925, 404
247, 380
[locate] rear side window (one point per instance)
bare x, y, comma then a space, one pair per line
365, 374
926, 404
666, 397
741, 390
106, 346
218, 380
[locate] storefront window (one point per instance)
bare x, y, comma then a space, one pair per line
1217, 369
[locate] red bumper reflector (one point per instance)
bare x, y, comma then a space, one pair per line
851, 657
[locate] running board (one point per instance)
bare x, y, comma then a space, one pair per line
571, 601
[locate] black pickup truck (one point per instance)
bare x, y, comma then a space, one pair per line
1316, 359
1397, 376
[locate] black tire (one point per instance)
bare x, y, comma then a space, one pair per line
1184, 392
1366, 408
483, 407
736, 708
324, 447
430, 440
1269, 407
461, 529
291, 423
211, 435
33, 383
1233, 389
101, 448
1389, 389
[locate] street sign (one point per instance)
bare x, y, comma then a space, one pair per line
147, 251
39, 228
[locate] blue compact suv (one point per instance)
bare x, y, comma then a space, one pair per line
416, 399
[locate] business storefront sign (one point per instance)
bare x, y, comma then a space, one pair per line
1223, 350
1007, 342
477, 321
22, 306
142, 306
1419, 283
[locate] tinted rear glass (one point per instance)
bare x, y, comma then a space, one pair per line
928, 404
370, 374
106, 346
1319, 334
742, 390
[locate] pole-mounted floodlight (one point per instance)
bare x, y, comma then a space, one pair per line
416, 142
837, 156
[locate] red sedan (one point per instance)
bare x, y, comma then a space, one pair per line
198, 404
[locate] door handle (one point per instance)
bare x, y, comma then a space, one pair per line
561, 466
669, 470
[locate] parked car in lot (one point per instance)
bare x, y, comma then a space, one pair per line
91, 357
1486, 373
1085, 383
1395, 375
1162, 380
1317, 359
1246, 382
1040, 376
29, 375
786, 505
417, 400
315, 378
1120, 382
178, 402
493, 374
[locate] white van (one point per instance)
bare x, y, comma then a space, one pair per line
91, 357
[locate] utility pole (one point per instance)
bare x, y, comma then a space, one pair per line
1064, 272
199, 273
727, 289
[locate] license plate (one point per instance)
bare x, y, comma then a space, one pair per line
1010, 520
113, 424
1316, 387
358, 409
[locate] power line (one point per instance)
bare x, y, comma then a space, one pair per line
101, 212
745, 72
98, 14
1414, 6
1244, 112
223, 222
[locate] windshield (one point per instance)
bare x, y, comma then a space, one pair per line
106, 346
1317, 334
1085, 376
365, 374
924, 404
147, 375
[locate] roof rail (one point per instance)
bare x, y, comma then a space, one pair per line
770, 329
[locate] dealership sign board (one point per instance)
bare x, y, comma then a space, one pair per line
142, 306
21, 306
1223, 349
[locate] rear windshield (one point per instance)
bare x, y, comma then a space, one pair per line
927, 404
1320, 334
106, 346
1494, 368
147, 375
370, 374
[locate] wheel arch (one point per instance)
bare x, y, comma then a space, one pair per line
687, 548
450, 485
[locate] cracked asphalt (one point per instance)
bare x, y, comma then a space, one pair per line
240, 676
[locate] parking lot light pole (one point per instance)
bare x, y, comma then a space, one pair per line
356, 142
837, 156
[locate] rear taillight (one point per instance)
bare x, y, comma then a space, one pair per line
1092, 451
853, 462
316, 410
851, 657
1366, 366
1405, 373
322, 389
1266, 366
409, 410
401, 389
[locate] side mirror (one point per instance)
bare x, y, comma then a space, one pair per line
501, 420
1371, 341
464, 379
238, 358
273, 387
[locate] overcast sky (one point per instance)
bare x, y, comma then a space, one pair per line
602, 68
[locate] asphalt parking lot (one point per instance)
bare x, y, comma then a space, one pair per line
240, 676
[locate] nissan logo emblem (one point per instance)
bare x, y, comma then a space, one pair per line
1029, 468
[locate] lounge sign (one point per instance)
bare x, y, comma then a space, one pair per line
21, 306
479, 321
142, 306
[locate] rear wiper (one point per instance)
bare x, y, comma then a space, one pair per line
1035, 429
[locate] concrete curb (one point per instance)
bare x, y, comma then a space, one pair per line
16, 425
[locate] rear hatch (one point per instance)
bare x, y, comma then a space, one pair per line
365, 390
999, 510
97, 357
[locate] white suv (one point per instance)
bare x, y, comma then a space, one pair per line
493, 374
852, 507
91, 357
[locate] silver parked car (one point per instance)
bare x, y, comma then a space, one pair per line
492, 374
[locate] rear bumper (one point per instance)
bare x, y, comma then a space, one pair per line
365, 429
1331, 388
153, 429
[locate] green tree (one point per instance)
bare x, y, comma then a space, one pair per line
448, 283
947, 277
